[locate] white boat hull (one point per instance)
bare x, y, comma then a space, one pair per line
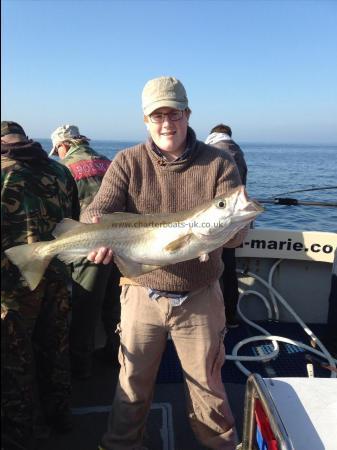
303, 276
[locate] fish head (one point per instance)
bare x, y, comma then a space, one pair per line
224, 213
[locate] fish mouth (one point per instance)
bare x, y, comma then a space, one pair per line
253, 205
258, 207
249, 212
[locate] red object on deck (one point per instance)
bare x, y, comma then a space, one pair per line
264, 427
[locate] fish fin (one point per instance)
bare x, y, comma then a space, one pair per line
27, 258
203, 257
131, 268
178, 243
66, 225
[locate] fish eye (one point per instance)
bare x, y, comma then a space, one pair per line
221, 204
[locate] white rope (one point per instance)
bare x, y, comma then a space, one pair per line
323, 352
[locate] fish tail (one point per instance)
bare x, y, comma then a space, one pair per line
29, 260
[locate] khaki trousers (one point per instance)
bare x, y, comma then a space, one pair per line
197, 329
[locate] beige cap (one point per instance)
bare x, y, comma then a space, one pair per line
163, 92
64, 133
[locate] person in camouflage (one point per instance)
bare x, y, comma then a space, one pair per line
36, 194
95, 288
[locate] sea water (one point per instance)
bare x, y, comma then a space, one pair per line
273, 171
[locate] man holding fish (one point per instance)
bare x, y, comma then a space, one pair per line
176, 290
163, 213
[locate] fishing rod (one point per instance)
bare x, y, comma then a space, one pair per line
294, 202
307, 190
277, 200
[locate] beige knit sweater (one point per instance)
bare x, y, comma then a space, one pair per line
140, 181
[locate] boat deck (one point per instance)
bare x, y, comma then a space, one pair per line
168, 427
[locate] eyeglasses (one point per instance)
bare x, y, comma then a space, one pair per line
174, 116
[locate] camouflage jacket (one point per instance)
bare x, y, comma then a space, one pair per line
36, 194
88, 168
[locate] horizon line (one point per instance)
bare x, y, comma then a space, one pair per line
236, 140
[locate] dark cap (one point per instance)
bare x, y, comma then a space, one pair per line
8, 127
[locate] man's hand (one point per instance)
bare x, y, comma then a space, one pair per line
101, 255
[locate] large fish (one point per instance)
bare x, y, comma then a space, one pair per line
141, 242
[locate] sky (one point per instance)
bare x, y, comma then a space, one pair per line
266, 68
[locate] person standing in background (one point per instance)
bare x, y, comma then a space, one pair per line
36, 194
171, 172
221, 137
94, 288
